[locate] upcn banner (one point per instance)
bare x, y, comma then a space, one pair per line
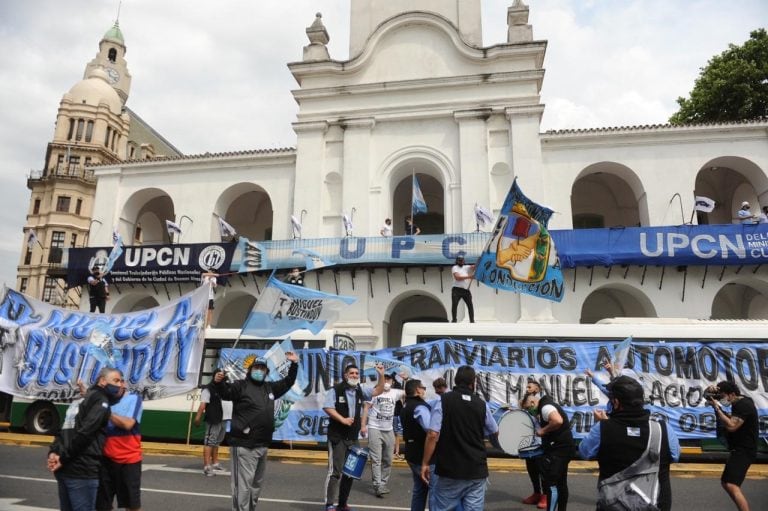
151, 264
44, 349
674, 376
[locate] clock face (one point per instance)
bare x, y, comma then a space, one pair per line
114, 76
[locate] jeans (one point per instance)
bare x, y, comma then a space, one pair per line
452, 494
77, 494
459, 293
420, 489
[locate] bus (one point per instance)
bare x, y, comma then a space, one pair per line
171, 418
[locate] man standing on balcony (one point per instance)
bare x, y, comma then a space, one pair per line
98, 290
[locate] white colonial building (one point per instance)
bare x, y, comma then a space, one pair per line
422, 94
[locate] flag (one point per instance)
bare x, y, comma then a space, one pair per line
283, 308
225, 229
419, 204
482, 216
520, 255
253, 255
313, 260
31, 239
117, 251
347, 221
172, 227
704, 204
296, 227
620, 355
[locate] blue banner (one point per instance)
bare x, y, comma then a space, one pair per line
673, 374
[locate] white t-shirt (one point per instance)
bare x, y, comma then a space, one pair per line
382, 409
745, 216
463, 271
209, 279
386, 231
226, 406
546, 411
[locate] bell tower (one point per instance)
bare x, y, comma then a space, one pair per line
111, 58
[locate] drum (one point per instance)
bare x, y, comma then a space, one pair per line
517, 433
357, 457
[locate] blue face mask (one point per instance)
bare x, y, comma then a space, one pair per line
258, 375
112, 390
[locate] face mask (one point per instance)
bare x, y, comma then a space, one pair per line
353, 382
112, 390
387, 386
459, 263
725, 402
258, 375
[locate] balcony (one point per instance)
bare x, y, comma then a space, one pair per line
62, 171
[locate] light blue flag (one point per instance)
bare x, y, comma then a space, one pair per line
283, 308
520, 255
313, 260
115, 253
419, 204
253, 255
621, 354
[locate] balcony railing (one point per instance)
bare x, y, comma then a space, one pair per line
63, 170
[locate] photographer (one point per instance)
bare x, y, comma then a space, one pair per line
741, 433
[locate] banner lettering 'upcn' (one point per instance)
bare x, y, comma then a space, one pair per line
45, 349
673, 374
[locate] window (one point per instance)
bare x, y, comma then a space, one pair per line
112, 55
106, 136
59, 162
49, 290
57, 247
79, 133
71, 129
57, 239
62, 204
23, 285
36, 207
74, 162
73, 243
78, 208
28, 256
132, 152
89, 131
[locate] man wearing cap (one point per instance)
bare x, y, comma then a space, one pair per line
98, 290
620, 438
745, 215
253, 410
742, 434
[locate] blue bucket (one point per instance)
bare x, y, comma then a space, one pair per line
357, 458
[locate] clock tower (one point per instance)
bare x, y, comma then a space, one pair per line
111, 58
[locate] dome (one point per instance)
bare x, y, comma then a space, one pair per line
95, 90
114, 34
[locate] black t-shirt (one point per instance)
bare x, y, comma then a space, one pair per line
744, 438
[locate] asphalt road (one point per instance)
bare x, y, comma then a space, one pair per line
177, 482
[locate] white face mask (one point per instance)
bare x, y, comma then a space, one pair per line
725, 402
387, 386
353, 382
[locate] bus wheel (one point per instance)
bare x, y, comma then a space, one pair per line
41, 418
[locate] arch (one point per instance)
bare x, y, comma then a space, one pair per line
411, 306
248, 208
741, 299
145, 212
616, 301
729, 180
134, 302
610, 192
231, 310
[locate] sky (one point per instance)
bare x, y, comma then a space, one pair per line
212, 76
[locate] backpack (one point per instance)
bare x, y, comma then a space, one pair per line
636, 488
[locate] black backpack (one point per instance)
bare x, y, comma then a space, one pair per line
636, 488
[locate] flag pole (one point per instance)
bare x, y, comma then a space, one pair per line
477, 224
413, 198
693, 211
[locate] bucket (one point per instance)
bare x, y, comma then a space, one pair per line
357, 457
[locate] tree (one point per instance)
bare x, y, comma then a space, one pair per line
732, 87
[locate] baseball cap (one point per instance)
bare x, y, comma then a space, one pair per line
627, 390
260, 361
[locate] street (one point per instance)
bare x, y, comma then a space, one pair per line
177, 482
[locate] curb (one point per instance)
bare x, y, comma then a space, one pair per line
757, 470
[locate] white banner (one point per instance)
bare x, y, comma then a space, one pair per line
45, 349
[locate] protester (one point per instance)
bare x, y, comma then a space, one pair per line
295, 277
378, 424
98, 290
558, 446
745, 215
344, 404
440, 386
415, 420
763, 219
121, 474
411, 229
457, 425
75, 454
209, 278
527, 403
619, 439
253, 411
741, 433
218, 415
386, 229
462, 280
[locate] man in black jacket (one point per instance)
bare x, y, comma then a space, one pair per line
253, 411
75, 454
415, 420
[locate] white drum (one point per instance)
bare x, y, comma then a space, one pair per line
517, 433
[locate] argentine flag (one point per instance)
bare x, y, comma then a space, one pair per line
283, 308
419, 204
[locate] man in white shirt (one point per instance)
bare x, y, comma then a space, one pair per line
462, 280
378, 424
745, 215
386, 229
209, 278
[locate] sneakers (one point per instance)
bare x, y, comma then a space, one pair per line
542, 502
208, 471
216, 467
330, 507
533, 498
